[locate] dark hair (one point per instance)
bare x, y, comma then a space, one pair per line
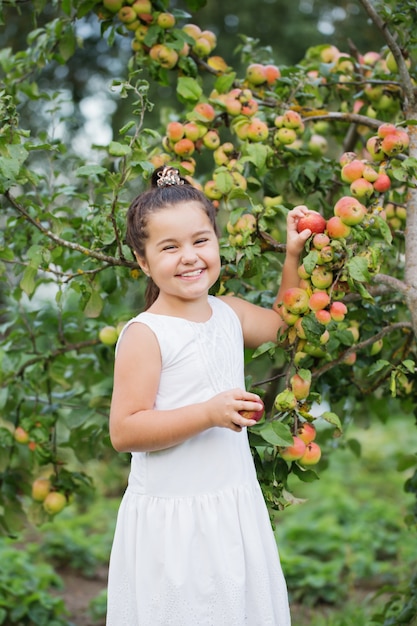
167, 191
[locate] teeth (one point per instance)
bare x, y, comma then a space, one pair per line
194, 273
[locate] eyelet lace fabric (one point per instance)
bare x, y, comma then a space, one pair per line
193, 544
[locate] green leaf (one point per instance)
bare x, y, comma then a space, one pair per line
265, 347
306, 476
276, 433
90, 170
224, 181
94, 305
188, 89
118, 149
28, 281
333, 419
358, 269
378, 366
410, 365
310, 261
257, 154
384, 229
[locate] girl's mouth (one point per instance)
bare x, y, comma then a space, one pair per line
191, 274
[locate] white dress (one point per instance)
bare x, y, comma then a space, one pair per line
193, 544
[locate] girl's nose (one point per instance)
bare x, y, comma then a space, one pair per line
189, 257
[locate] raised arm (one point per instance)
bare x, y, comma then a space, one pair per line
135, 425
261, 325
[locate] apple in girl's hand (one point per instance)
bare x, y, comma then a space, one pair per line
312, 220
254, 415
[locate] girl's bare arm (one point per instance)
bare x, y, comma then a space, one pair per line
134, 423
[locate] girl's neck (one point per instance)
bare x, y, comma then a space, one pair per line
193, 311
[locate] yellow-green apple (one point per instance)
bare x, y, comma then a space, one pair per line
202, 46
352, 170
257, 130
292, 119
324, 337
279, 121
369, 173
40, 489
113, 5
311, 455
54, 502
376, 347
350, 359
240, 180
289, 318
317, 144
299, 328
294, 452
321, 277
285, 400
301, 383
191, 131
347, 157
211, 139
21, 435
361, 188
192, 30
319, 300
382, 183
233, 105
302, 272
142, 7
326, 255
165, 20
284, 136
126, 14
140, 32
296, 300
254, 415
210, 36
108, 335
212, 191
255, 73
338, 311
373, 146
336, 229
165, 56
306, 432
329, 54
246, 223
350, 210
312, 220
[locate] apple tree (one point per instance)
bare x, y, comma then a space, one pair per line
336, 132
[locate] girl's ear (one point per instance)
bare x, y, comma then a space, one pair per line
142, 264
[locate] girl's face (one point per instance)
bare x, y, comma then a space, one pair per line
181, 252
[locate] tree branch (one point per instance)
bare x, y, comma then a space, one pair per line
394, 283
95, 254
409, 93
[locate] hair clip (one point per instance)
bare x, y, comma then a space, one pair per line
168, 176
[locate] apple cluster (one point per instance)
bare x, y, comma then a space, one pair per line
52, 501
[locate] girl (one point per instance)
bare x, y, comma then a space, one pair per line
193, 544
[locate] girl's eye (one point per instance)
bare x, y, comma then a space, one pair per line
201, 240
170, 247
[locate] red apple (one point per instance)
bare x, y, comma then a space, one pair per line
382, 183
301, 383
319, 300
294, 452
320, 240
336, 229
254, 415
338, 311
311, 455
306, 432
350, 210
352, 170
313, 221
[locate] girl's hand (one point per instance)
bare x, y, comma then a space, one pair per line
224, 408
296, 240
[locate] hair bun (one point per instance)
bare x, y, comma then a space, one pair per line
166, 176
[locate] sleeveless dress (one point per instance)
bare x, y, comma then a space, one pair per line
193, 544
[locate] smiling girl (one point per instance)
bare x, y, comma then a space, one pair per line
193, 543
